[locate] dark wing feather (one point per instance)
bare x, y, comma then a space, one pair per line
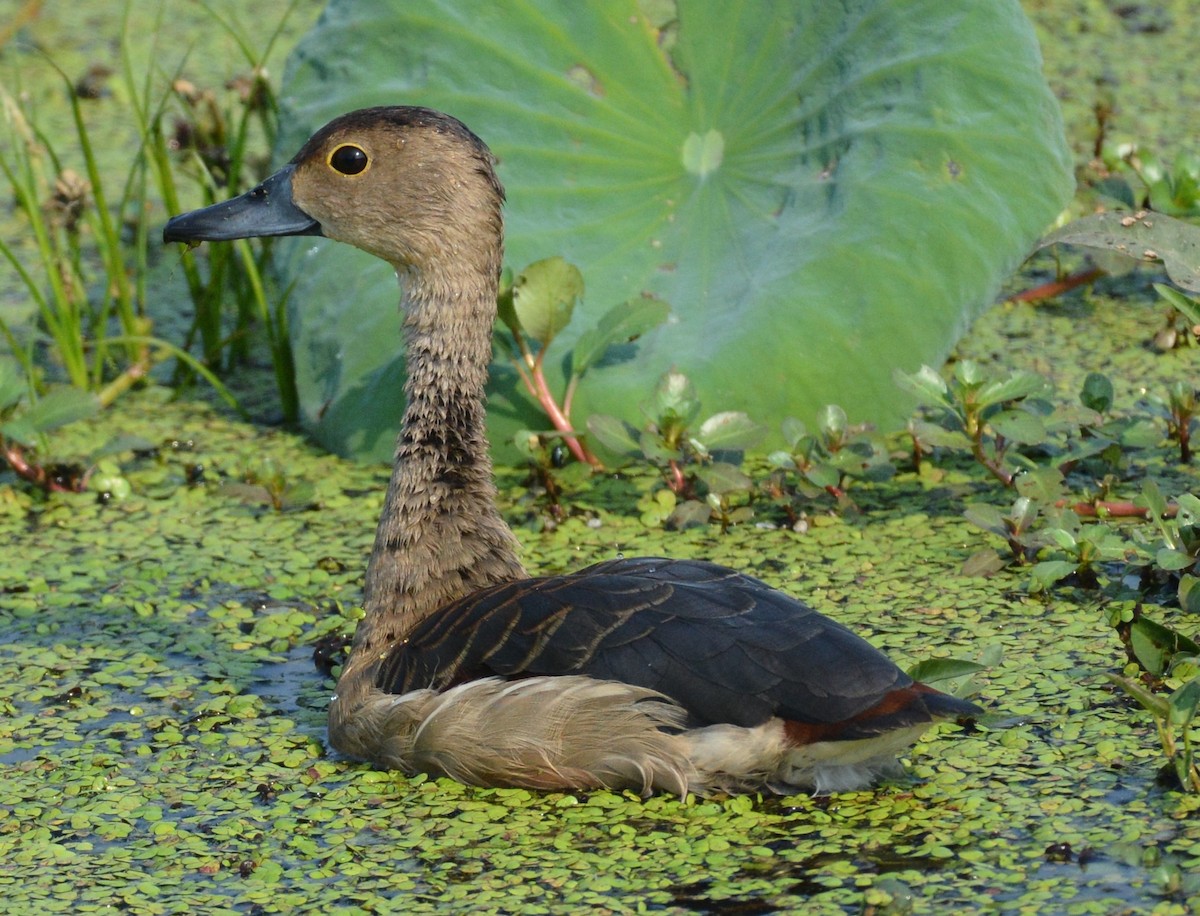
725, 646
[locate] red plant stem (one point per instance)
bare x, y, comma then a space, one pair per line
525, 379
1104, 508
525, 362
14, 455
570, 395
561, 421
675, 478
535, 383
1058, 287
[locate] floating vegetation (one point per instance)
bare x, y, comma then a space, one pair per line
162, 715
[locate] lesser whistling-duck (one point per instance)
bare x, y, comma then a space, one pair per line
647, 674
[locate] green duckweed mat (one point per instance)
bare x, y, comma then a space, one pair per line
162, 720
162, 738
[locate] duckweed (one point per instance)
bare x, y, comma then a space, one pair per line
163, 737
162, 725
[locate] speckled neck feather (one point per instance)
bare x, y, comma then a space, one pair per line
440, 536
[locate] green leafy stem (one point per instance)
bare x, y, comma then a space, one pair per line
539, 304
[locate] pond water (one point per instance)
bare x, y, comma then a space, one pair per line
161, 720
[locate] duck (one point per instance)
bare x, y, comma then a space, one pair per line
646, 674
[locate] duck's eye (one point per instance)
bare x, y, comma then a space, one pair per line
349, 160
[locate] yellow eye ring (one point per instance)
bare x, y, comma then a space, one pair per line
349, 159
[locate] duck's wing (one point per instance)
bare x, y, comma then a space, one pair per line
725, 646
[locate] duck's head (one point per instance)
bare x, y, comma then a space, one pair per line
410, 185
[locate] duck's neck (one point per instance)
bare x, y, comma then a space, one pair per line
440, 536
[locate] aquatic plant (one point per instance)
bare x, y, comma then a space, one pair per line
535, 308
218, 143
73, 227
1179, 409
1161, 657
267, 482
1134, 175
1170, 551
985, 415
88, 279
687, 453
24, 423
1064, 538
1076, 551
836, 452
1138, 236
782, 213
1182, 328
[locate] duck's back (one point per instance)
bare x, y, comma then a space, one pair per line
724, 646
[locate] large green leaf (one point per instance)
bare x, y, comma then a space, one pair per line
1143, 236
821, 191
